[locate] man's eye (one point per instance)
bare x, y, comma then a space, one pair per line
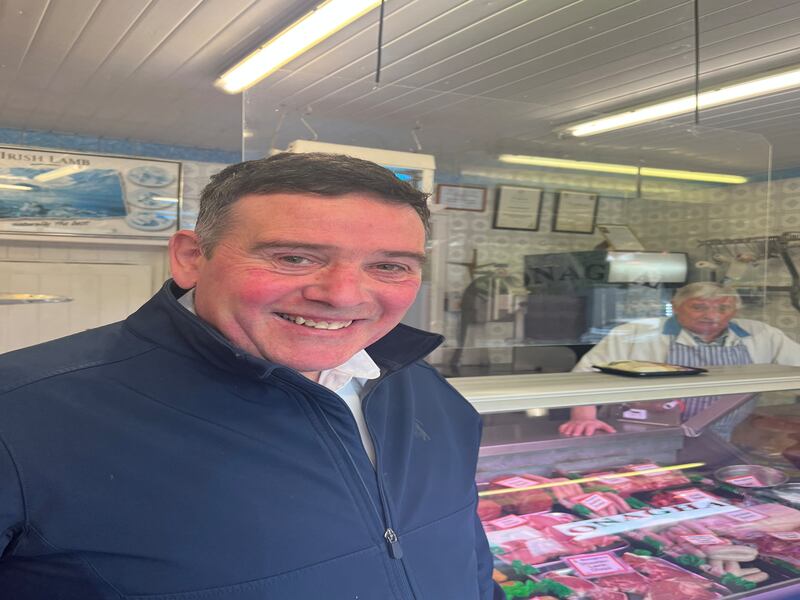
294, 260
392, 268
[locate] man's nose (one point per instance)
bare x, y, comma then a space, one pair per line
339, 286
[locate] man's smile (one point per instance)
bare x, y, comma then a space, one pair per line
319, 324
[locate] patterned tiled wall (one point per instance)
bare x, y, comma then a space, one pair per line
733, 212
675, 225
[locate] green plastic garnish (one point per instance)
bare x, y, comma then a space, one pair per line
582, 510
786, 565
642, 552
690, 560
732, 581
524, 569
636, 503
658, 546
496, 550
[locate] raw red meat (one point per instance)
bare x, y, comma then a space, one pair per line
679, 590
488, 510
520, 502
631, 583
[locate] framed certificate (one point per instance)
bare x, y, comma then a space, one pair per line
461, 197
575, 212
620, 237
517, 208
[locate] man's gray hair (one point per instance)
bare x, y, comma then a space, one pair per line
313, 173
706, 289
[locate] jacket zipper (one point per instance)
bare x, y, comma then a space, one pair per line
394, 548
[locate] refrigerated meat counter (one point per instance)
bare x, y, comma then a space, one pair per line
662, 509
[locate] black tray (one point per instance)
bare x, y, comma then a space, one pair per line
681, 370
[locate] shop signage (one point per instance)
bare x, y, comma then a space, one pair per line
646, 518
45, 192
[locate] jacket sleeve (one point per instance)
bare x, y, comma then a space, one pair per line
489, 590
11, 504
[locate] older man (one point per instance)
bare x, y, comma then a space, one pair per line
262, 428
703, 331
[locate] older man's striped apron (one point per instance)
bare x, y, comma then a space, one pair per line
704, 355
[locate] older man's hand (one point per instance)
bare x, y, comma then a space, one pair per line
580, 427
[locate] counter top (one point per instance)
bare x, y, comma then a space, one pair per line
504, 393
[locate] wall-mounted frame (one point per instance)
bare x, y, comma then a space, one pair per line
574, 212
461, 197
620, 237
517, 208
45, 192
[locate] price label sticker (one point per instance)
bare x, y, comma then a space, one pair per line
745, 481
646, 467
745, 516
508, 521
515, 482
595, 502
791, 536
601, 564
545, 547
693, 495
496, 538
611, 480
703, 539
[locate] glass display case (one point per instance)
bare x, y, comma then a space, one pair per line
660, 510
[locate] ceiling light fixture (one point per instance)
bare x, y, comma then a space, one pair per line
580, 165
768, 84
12, 186
325, 20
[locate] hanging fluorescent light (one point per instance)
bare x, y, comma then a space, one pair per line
580, 165
325, 20
13, 186
775, 82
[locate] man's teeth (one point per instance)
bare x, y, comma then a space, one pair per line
315, 324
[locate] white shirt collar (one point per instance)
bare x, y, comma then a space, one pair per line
359, 366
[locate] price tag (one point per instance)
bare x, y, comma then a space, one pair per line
647, 467
745, 516
703, 540
595, 502
693, 495
638, 414
545, 547
496, 538
786, 535
613, 480
507, 522
601, 564
745, 481
515, 482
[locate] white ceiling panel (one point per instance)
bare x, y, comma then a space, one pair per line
475, 74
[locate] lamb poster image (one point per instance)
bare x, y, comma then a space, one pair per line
45, 192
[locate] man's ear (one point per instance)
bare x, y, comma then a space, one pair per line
185, 258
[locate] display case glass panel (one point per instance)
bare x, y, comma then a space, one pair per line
655, 510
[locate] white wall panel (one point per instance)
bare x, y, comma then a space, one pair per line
101, 293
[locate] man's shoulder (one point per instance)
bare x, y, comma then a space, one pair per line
91, 348
638, 326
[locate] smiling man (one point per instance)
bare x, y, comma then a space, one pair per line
703, 331
264, 427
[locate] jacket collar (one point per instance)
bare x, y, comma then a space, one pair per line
164, 321
673, 328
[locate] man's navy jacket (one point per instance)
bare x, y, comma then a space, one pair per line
151, 459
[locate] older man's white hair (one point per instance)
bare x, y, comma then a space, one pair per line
706, 289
